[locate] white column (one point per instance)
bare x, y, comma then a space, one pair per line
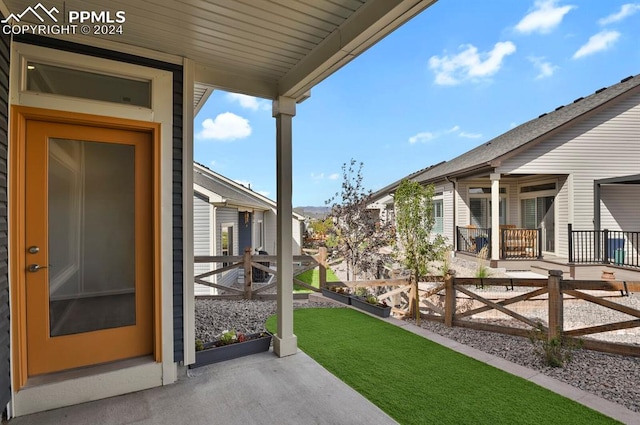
495, 215
285, 342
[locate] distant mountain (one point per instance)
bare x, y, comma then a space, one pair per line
313, 212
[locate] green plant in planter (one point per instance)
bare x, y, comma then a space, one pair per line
339, 289
199, 345
231, 337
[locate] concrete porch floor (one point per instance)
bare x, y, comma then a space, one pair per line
265, 389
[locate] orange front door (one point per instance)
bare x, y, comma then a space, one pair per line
89, 245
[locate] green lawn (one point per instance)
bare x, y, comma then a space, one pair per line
312, 277
417, 381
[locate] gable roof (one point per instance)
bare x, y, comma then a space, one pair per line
232, 193
517, 138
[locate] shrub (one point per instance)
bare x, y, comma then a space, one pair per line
555, 352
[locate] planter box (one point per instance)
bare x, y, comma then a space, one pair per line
343, 298
212, 354
370, 308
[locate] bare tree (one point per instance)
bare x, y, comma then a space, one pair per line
358, 232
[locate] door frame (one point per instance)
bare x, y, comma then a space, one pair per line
19, 116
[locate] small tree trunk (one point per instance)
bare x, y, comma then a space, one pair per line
417, 300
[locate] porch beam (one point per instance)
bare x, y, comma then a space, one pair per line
284, 342
495, 216
371, 22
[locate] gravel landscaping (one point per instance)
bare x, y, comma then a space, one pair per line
612, 377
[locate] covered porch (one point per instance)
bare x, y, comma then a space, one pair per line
511, 217
176, 53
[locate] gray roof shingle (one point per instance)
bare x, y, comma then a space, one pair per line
517, 137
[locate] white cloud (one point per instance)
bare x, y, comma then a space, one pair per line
421, 137
249, 102
427, 136
323, 176
469, 64
544, 17
545, 68
625, 11
226, 126
598, 42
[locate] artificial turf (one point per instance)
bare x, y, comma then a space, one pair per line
417, 381
312, 277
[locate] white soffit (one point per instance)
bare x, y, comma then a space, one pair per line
263, 48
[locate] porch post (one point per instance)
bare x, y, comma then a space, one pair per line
284, 342
495, 215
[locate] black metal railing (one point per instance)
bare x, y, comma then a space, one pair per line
618, 247
473, 239
520, 243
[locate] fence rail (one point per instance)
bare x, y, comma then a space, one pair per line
617, 247
257, 265
442, 303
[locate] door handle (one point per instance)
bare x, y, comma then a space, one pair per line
35, 267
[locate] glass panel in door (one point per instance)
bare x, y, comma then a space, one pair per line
91, 221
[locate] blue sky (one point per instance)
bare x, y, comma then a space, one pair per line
457, 75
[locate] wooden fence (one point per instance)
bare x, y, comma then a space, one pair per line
400, 294
455, 310
248, 264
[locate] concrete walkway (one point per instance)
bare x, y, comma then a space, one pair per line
265, 389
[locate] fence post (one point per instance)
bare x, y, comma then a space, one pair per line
457, 239
449, 297
248, 276
605, 246
322, 267
556, 319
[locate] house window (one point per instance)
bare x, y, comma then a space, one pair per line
260, 235
227, 242
539, 213
43, 78
480, 208
438, 216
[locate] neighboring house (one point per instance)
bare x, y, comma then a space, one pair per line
229, 217
96, 174
578, 165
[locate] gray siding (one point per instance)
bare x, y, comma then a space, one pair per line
619, 209
270, 232
607, 144
5, 320
447, 203
202, 243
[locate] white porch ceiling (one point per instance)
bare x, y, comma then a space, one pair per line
264, 48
